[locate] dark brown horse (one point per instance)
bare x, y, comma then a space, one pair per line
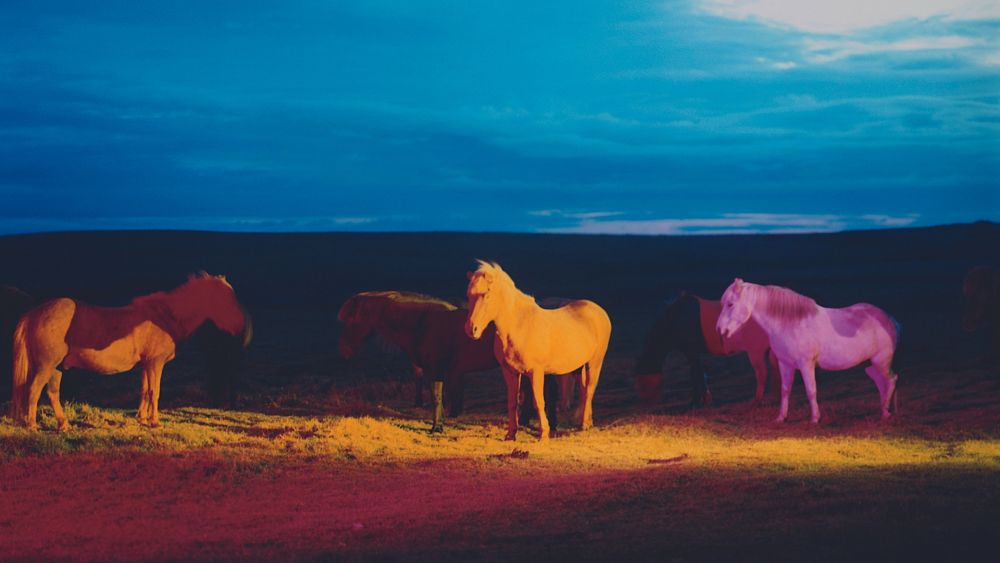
981, 290
65, 333
429, 331
688, 326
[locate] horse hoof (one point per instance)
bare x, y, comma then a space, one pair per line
64, 426
779, 420
437, 429
32, 428
813, 421
511, 436
154, 424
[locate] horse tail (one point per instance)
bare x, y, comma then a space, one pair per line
896, 360
19, 383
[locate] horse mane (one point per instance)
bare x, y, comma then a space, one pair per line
786, 305
494, 270
408, 298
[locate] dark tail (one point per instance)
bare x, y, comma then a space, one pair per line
19, 383
896, 362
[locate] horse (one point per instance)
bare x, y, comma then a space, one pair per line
223, 355
65, 333
804, 334
688, 326
534, 341
429, 331
13, 304
981, 292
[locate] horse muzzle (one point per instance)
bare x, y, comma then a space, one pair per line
473, 331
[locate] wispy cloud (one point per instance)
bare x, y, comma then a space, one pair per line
847, 16
829, 50
736, 223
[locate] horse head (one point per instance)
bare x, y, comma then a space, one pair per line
212, 298
981, 292
484, 296
737, 307
358, 317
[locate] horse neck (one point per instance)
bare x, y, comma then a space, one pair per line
516, 307
164, 311
764, 320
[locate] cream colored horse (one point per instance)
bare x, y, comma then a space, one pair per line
67, 333
803, 335
534, 341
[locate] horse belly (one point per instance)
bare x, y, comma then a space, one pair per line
118, 357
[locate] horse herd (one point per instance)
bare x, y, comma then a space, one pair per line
781, 331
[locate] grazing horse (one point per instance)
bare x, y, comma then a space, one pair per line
803, 334
534, 341
981, 291
429, 331
64, 333
13, 304
688, 326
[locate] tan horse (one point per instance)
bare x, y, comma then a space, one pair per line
68, 334
534, 341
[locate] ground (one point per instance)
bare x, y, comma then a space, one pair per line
325, 459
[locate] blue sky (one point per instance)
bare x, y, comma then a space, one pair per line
702, 116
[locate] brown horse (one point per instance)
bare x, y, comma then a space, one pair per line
981, 290
428, 330
69, 334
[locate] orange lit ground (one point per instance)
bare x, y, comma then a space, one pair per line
251, 484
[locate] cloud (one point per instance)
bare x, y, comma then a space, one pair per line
829, 50
737, 223
844, 17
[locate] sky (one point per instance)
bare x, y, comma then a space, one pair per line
661, 117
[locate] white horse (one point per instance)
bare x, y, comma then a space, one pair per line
803, 334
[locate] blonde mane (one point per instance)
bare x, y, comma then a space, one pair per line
784, 304
493, 271
407, 298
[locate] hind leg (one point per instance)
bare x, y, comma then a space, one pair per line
809, 382
885, 381
787, 376
34, 393
418, 386
593, 374
53, 392
143, 414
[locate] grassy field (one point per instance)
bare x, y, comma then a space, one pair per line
325, 459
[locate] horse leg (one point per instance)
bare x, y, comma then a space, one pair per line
787, 376
758, 360
456, 393
438, 390
538, 390
809, 382
142, 416
566, 391
155, 374
513, 381
53, 391
881, 373
593, 369
700, 395
418, 386
34, 393
552, 384
526, 402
